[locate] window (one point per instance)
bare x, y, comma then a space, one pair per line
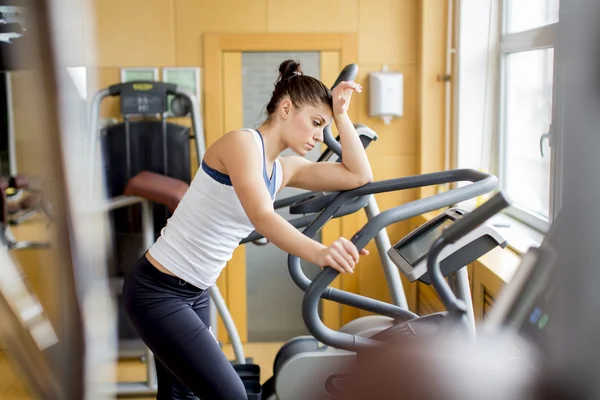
525, 15
525, 107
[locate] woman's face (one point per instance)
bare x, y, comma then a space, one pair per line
305, 125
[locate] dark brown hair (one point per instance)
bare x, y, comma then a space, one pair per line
302, 89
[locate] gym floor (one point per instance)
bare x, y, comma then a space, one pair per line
11, 386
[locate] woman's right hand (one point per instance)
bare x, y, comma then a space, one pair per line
342, 256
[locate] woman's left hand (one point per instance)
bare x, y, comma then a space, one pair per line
342, 95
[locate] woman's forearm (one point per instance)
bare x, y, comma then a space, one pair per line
354, 157
283, 235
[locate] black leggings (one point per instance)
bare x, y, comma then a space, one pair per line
172, 318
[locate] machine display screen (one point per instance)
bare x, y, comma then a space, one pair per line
143, 98
536, 323
417, 247
143, 103
530, 311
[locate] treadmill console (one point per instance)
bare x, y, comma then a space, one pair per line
143, 97
410, 253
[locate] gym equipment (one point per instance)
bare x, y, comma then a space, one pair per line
467, 228
136, 176
521, 314
146, 180
149, 180
411, 254
439, 350
308, 367
309, 204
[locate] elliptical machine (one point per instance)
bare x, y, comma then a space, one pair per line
308, 205
430, 348
309, 367
146, 161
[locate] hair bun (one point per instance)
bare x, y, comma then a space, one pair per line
289, 68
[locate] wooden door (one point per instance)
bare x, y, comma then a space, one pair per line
223, 112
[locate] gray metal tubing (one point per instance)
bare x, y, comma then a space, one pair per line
459, 308
198, 131
288, 201
136, 389
319, 288
221, 306
348, 74
28, 245
141, 389
12, 143
364, 130
147, 224
353, 206
213, 317
392, 275
460, 284
94, 112
310, 314
299, 222
475, 218
335, 146
151, 375
483, 183
361, 130
150, 386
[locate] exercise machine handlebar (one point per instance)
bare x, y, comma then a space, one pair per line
350, 208
456, 308
319, 287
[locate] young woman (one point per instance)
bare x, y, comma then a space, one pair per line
166, 294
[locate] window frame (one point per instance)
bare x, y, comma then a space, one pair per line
542, 37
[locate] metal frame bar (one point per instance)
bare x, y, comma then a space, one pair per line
12, 143
459, 282
392, 275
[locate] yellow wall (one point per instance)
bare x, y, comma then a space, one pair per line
406, 35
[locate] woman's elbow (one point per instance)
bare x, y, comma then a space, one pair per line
363, 179
261, 220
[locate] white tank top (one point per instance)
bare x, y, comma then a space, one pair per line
208, 224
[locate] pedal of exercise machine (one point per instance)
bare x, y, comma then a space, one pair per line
250, 375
